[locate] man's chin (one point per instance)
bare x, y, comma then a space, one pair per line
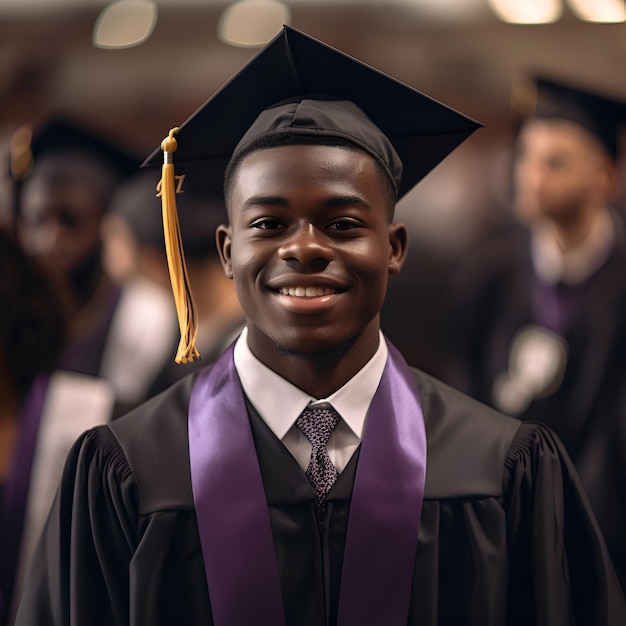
319, 349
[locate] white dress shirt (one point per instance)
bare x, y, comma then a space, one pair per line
279, 403
573, 267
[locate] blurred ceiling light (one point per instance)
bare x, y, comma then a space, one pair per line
252, 22
601, 11
124, 24
527, 11
452, 10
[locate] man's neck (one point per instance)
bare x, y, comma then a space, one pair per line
319, 373
574, 262
570, 234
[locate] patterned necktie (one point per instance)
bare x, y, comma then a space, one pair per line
317, 425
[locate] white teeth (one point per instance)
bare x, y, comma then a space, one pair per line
306, 292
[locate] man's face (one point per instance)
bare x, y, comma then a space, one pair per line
61, 209
310, 248
560, 170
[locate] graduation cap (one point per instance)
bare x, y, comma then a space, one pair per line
60, 135
299, 86
31, 144
542, 97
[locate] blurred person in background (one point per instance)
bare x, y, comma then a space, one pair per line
538, 316
42, 411
31, 338
64, 174
146, 329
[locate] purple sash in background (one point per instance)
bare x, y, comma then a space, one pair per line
15, 492
233, 519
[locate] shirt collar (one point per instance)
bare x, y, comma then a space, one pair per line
280, 403
574, 266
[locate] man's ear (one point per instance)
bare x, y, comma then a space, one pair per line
223, 241
609, 181
398, 247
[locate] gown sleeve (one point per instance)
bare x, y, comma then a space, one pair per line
77, 572
560, 571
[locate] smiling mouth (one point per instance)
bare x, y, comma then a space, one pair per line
306, 292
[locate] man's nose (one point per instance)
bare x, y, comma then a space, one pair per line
306, 244
44, 239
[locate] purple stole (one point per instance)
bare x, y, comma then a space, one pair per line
554, 305
15, 491
234, 523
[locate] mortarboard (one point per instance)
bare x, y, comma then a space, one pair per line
293, 65
61, 135
298, 85
542, 97
58, 135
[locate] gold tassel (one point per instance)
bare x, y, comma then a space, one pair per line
185, 305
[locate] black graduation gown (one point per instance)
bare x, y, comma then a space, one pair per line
490, 301
506, 535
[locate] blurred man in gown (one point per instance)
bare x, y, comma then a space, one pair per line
64, 175
538, 318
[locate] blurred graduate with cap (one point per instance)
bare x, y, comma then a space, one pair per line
64, 174
310, 476
539, 316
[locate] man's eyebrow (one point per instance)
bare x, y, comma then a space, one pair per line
255, 201
346, 200
329, 203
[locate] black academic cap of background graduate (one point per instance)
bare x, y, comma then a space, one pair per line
329, 94
542, 97
60, 134
294, 66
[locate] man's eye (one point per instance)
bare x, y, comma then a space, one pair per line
69, 220
267, 224
344, 225
556, 163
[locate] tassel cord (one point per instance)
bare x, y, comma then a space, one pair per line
185, 306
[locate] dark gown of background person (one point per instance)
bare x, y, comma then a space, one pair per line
31, 337
587, 410
497, 493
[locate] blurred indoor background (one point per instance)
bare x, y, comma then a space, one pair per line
57, 55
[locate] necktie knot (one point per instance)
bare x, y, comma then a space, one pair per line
317, 425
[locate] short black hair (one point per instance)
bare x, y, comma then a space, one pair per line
293, 139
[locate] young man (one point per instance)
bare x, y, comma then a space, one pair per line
310, 476
539, 316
